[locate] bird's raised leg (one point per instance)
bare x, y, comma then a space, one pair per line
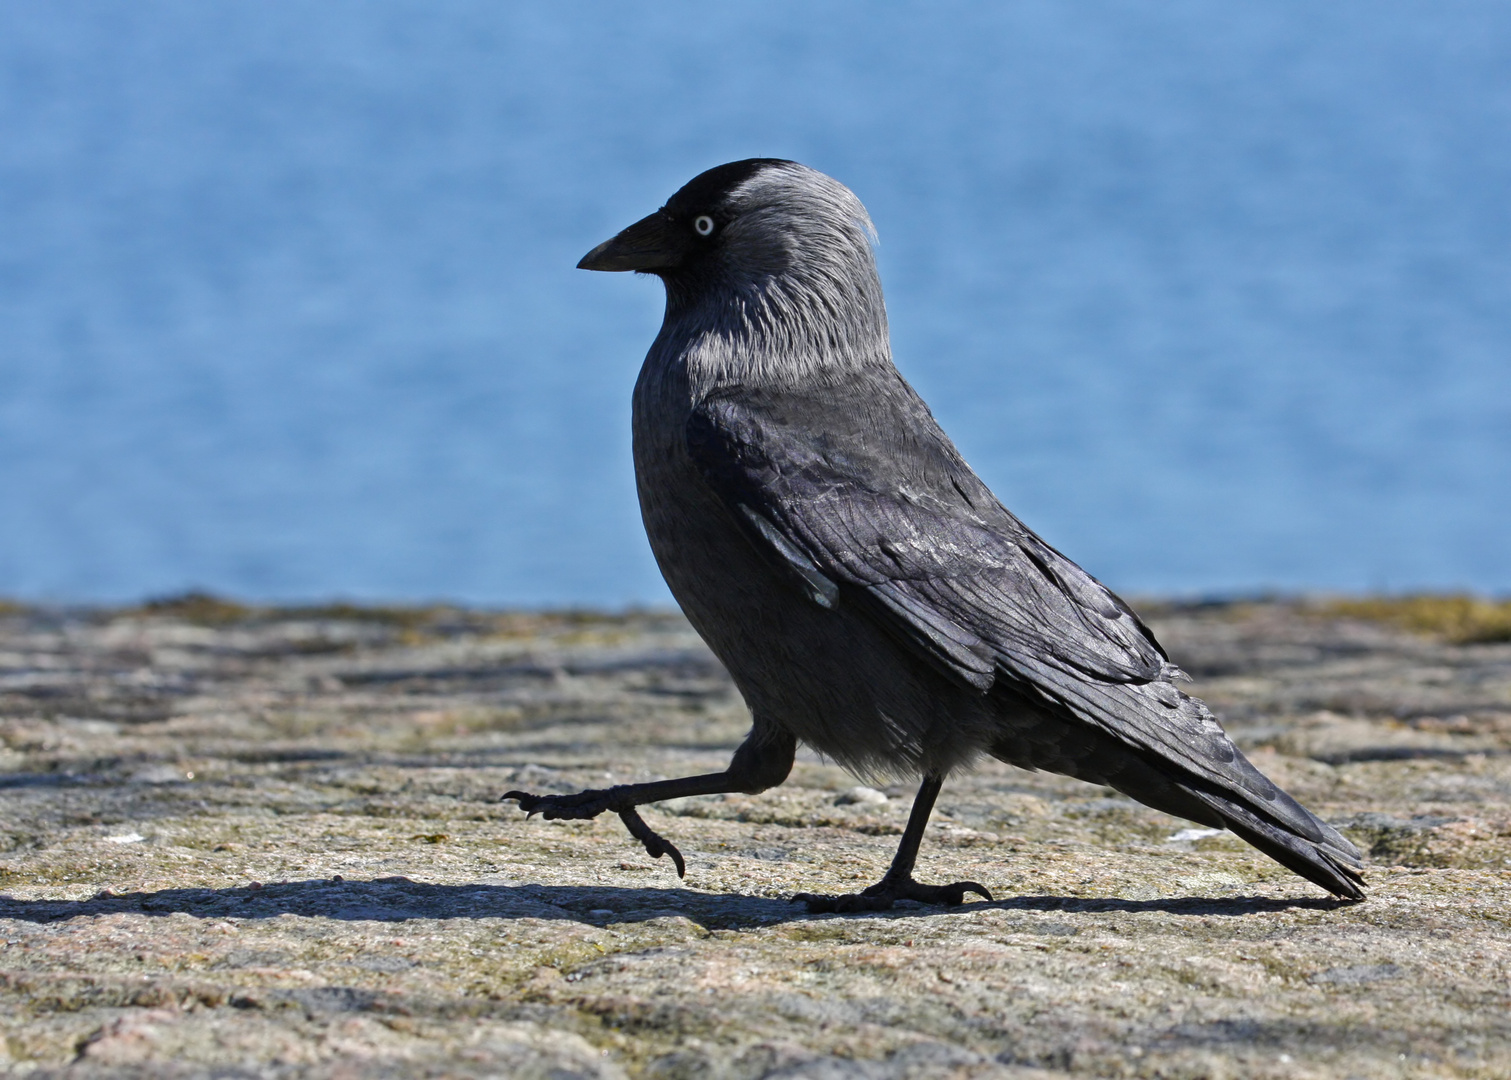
898, 884
763, 761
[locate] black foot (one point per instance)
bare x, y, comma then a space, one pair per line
887, 891
578, 807
591, 803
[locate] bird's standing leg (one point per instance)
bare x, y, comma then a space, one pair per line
763, 761
898, 884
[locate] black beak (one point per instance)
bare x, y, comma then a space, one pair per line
652, 243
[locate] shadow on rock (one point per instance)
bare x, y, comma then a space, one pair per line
1230, 906
395, 899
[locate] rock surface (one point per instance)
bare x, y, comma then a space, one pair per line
267, 844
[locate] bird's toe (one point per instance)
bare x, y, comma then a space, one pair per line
656, 845
581, 805
954, 894
884, 895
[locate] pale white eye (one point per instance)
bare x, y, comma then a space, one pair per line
704, 225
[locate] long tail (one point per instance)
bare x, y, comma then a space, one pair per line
1273, 822
1321, 855
1189, 768
1166, 749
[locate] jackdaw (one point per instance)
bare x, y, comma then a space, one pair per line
869, 595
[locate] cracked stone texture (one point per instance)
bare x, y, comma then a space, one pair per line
268, 845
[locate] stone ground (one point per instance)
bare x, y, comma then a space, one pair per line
268, 844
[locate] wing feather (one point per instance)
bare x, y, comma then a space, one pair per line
962, 583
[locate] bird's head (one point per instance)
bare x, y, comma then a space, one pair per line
763, 230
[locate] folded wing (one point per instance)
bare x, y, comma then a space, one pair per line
880, 513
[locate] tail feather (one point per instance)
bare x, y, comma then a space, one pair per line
1330, 861
1166, 749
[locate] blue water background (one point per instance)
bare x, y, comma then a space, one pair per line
1216, 296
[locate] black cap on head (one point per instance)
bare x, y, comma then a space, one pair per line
661, 241
708, 188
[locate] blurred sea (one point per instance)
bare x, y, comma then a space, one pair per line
1216, 296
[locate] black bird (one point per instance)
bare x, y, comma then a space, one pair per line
867, 592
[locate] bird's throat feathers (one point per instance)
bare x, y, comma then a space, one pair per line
774, 338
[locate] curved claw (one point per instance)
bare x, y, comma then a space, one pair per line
591, 803
656, 845
578, 807
967, 887
527, 802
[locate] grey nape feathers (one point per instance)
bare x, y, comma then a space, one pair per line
869, 595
